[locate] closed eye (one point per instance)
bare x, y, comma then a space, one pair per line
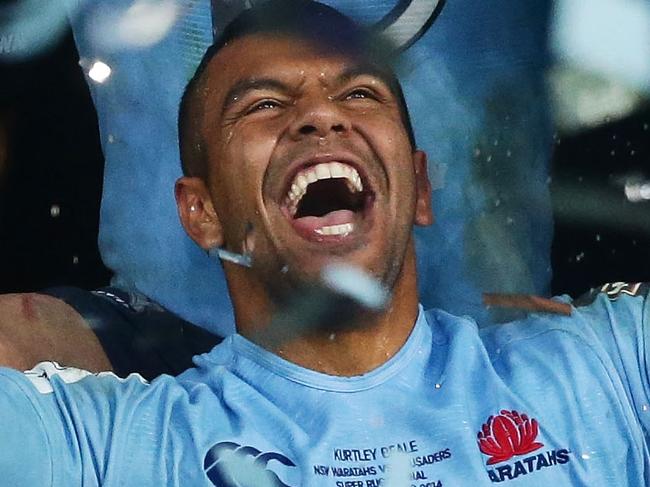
360, 94
263, 105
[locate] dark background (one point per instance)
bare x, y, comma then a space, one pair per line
53, 161
48, 130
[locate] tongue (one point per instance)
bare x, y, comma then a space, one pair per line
312, 223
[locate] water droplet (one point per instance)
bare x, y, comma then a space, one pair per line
488, 158
497, 202
585, 456
645, 126
508, 153
510, 220
632, 152
477, 152
549, 180
55, 211
75, 260
580, 256
99, 72
614, 137
332, 337
612, 153
598, 237
645, 407
495, 143
285, 269
580, 179
111, 139
438, 386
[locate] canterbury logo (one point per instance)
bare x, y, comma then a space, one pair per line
508, 434
229, 464
407, 21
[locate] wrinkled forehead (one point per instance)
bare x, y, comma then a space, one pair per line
282, 56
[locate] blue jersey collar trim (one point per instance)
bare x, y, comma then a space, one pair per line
317, 380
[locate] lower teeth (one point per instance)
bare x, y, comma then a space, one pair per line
344, 229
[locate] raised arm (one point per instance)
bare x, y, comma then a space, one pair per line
35, 328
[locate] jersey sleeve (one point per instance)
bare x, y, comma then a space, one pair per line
58, 429
25, 451
618, 316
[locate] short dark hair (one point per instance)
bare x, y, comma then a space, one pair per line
303, 19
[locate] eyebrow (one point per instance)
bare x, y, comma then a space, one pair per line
359, 70
242, 87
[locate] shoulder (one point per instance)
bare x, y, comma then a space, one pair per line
60, 394
53, 387
609, 320
623, 293
59, 417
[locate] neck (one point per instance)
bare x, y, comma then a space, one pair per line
353, 350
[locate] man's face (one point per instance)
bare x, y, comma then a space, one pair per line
308, 149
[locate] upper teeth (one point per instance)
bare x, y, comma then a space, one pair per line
326, 170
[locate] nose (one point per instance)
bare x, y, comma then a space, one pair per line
319, 118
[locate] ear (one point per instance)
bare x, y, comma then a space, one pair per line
197, 212
423, 209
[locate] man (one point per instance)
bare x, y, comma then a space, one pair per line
127, 327
297, 152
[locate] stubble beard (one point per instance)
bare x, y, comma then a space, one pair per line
286, 285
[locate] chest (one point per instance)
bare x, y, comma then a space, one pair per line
474, 432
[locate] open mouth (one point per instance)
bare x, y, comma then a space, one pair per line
328, 200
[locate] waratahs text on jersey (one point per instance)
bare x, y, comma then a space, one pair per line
529, 465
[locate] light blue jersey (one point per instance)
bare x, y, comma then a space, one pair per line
549, 401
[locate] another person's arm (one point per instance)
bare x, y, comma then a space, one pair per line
106, 329
35, 328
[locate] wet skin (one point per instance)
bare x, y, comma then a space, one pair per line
271, 107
